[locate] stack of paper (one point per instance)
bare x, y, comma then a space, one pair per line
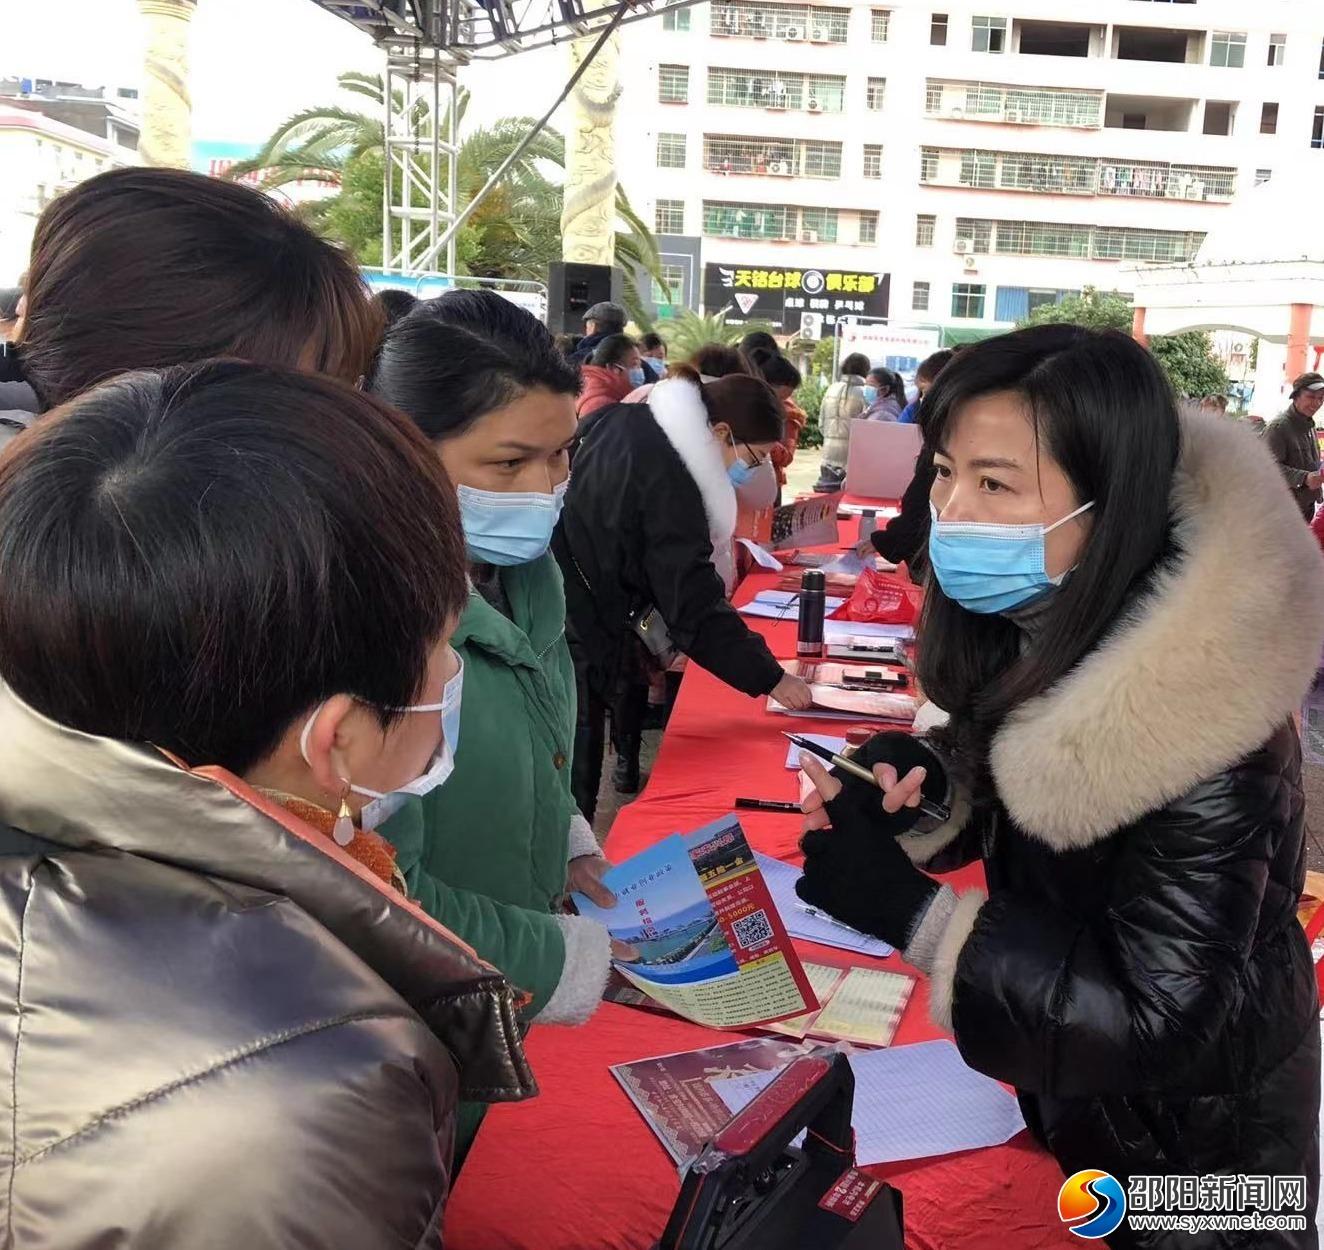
781, 605
911, 1102
860, 1005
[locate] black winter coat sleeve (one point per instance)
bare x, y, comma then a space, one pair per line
678, 563
1072, 1007
908, 532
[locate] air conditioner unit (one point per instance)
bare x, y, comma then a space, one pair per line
793, 34
814, 106
971, 264
1013, 115
964, 247
808, 236
820, 35
956, 113
778, 167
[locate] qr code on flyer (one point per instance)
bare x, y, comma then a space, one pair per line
752, 930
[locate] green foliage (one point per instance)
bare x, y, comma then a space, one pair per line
1188, 358
821, 362
1191, 365
810, 398
514, 233
687, 333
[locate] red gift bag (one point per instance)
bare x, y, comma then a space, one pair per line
885, 598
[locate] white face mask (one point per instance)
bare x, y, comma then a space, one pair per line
383, 806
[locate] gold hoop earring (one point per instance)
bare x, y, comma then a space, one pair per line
342, 832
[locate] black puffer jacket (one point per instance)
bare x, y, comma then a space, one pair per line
1137, 970
649, 497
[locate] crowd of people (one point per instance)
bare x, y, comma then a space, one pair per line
318, 611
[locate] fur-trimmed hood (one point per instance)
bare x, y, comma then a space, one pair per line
678, 409
1198, 674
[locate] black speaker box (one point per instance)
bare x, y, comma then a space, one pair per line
572, 289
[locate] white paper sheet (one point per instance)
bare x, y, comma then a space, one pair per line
843, 631
780, 879
782, 605
764, 559
911, 1102
835, 745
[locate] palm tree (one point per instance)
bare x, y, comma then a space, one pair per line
514, 232
690, 331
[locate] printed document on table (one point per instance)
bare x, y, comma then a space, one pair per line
911, 1102
780, 879
835, 745
865, 1008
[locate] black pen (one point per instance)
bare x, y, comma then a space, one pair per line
938, 811
767, 805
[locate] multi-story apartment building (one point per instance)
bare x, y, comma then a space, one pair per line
984, 156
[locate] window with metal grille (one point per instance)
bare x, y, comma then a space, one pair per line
1277, 49
1041, 238
1161, 180
741, 88
1056, 175
1317, 133
873, 160
750, 19
968, 299
676, 19
928, 164
978, 232
873, 96
988, 34
925, 226
1118, 243
979, 169
768, 221
938, 30
673, 84
671, 290
827, 92
1034, 106
1228, 48
763, 157
933, 97
919, 297
670, 151
819, 221
669, 217
879, 21
1262, 176
868, 227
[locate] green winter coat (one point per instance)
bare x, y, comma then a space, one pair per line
486, 853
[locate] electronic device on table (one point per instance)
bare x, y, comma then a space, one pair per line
750, 1189
868, 650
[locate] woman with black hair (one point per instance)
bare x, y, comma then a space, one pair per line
1121, 624
784, 378
224, 638
612, 372
483, 380
651, 505
886, 395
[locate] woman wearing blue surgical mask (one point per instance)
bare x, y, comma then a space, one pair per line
493, 851
645, 536
1122, 621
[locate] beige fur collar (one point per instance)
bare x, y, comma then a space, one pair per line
1197, 676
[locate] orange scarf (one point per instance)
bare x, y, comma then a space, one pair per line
372, 850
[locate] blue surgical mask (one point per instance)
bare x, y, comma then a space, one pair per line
992, 568
508, 527
870, 394
637, 376
739, 470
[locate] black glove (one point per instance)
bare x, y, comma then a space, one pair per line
903, 751
856, 872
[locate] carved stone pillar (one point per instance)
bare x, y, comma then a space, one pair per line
167, 106
588, 218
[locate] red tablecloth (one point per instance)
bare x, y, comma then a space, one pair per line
578, 1169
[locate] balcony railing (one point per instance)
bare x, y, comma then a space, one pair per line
771, 158
1028, 106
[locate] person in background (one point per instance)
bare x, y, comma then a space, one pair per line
653, 353
229, 591
757, 340
17, 399
601, 321
886, 393
568, 344
716, 360
905, 538
784, 378
843, 402
395, 304
651, 504
1137, 970
1293, 442
142, 268
928, 370
482, 379
615, 371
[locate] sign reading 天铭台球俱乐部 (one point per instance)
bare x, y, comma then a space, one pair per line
781, 295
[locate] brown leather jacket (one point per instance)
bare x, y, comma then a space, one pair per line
216, 1029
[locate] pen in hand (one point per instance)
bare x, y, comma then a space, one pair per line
935, 811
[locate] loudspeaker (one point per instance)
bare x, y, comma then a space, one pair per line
572, 289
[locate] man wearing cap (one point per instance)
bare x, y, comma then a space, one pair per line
1291, 438
602, 320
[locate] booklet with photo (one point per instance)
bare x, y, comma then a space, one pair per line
675, 1096
842, 702
711, 944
